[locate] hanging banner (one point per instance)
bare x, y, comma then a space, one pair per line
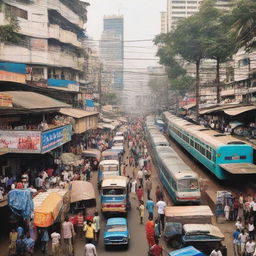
20, 141
54, 138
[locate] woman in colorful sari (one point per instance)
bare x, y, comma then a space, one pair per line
150, 232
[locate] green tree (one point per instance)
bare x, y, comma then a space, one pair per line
220, 43
190, 43
179, 81
9, 32
244, 24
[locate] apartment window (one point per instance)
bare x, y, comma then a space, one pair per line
191, 12
178, 2
178, 12
191, 7
191, 2
178, 7
15, 11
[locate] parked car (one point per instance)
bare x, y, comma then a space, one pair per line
116, 232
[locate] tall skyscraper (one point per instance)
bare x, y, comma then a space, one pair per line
180, 9
112, 48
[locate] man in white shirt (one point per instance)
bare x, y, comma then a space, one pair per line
140, 177
250, 247
161, 205
55, 243
243, 237
90, 250
216, 252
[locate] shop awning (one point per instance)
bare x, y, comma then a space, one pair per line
77, 113
189, 106
219, 109
245, 168
239, 110
33, 101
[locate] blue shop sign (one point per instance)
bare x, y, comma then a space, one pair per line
54, 138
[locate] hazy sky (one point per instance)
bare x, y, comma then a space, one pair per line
141, 21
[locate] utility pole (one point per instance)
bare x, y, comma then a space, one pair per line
99, 85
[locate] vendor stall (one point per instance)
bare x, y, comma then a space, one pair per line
50, 206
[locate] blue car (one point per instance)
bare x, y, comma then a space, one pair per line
116, 232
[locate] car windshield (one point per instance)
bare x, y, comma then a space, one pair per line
116, 228
113, 191
186, 185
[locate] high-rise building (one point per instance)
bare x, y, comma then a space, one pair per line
112, 48
180, 9
163, 22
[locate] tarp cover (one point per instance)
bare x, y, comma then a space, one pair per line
21, 203
189, 214
81, 190
48, 211
70, 159
187, 251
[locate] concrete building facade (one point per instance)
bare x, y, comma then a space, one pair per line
112, 48
50, 41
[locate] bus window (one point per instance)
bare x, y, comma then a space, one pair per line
174, 185
113, 191
186, 185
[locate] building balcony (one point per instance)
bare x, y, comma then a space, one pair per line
65, 12
63, 36
40, 56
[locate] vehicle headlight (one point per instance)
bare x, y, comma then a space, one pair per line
125, 239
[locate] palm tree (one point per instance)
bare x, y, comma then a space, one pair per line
244, 24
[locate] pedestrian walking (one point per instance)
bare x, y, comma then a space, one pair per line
20, 246
250, 247
89, 230
156, 249
236, 242
96, 222
140, 193
44, 240
140, 177
133, 188
150, 232
243, 238
141, 211
30, 244
161, 205
158, 194
90, 250
13, 239
80, 223
157, 229
148, 186
68, 233
55, 243
150, 207
251, 230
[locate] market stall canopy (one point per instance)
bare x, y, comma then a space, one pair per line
70, 159
186, 251
238, 110
34, 101
48, 206
81, 190
243, 168
217, 109
77, 113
